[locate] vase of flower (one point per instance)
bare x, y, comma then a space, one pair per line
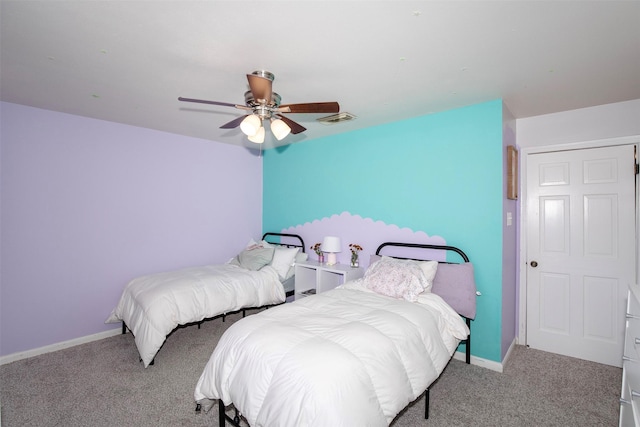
355, 249
316, 249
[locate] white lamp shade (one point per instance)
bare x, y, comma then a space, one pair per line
258, 137
251, 125
331, 244
279, 129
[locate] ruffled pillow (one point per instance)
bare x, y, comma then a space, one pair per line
428, 267
396, 278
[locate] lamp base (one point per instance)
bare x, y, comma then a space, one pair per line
331, 258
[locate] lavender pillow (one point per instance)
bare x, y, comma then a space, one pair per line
456, 285
395, 278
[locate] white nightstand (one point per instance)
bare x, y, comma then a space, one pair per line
313, 277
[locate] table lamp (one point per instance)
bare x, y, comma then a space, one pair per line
331, 245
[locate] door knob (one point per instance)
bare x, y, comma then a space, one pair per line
534, 264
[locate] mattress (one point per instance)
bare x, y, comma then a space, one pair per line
345, 357
152, 306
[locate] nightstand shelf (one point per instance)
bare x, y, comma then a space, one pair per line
313, 276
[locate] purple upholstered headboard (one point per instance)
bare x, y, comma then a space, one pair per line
454, 282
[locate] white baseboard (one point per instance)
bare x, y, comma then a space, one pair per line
479, 361
58, 346
489, 364
508, 354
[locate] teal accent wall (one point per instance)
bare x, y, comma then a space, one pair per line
441, 174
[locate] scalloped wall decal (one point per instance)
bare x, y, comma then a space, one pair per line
368, 233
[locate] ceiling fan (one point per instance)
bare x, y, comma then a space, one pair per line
262, 103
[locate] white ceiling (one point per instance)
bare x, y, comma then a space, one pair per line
383, 61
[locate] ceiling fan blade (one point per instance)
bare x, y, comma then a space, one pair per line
260, 88
311, 107
295, 127
202, 101
224, 104
233, 123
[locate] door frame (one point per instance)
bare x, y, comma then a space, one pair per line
521, 270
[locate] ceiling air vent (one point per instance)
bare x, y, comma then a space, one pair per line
336, 118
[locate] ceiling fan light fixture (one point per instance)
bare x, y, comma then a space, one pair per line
258, 138
279, 129
262, 103
251, 125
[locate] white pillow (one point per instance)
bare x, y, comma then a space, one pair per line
300, 257
429, 268
283, 259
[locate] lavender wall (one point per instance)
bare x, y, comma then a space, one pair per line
87, 205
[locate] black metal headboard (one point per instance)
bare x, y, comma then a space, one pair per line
437, 247
423, 246
288, 240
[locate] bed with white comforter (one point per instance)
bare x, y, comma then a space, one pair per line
154, 305
346, 357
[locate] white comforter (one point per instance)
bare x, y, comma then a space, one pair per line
152, 306
347, 357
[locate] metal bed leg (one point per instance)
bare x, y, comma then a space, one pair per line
244, 313
224, 316
468, 346
124, 328
426, 404
222, 417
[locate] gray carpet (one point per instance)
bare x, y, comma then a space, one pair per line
103, 384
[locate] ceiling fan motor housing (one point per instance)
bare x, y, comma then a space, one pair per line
265, 74
265, 111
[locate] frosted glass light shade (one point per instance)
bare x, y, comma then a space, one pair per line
258, 138
279, 129
251, 125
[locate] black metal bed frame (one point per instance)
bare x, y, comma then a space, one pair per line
223, 417
265, 236
465, 258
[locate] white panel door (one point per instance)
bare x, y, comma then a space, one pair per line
580, 250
